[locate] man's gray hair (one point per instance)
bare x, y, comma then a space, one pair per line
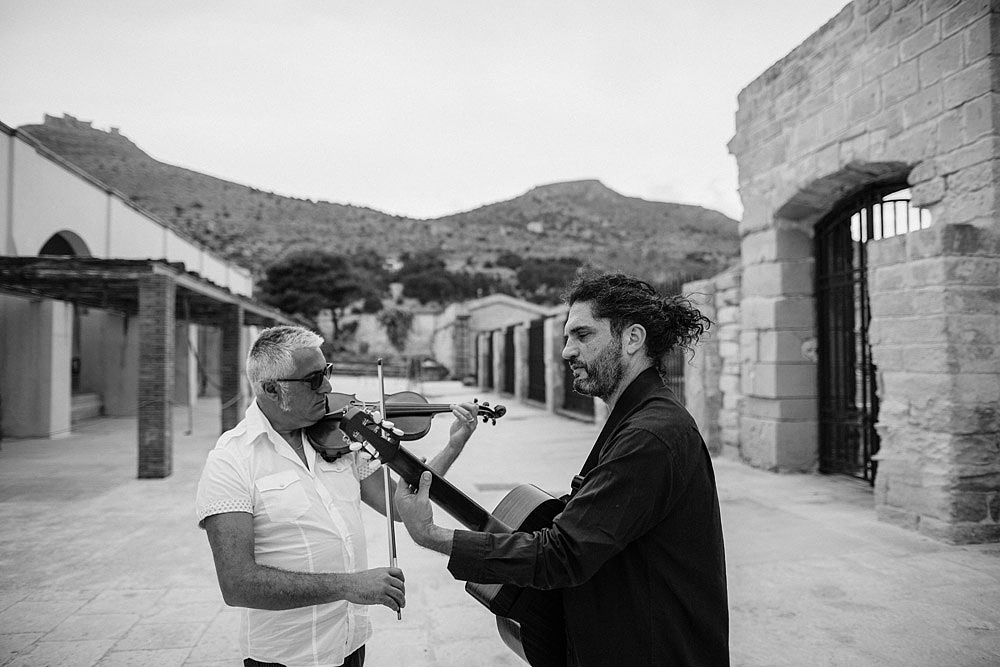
270, 356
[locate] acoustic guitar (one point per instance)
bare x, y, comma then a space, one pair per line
530, 621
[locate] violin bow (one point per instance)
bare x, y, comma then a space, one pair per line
385, 479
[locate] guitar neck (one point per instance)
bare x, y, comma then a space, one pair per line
449, 497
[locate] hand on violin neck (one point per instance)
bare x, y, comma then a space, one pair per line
465, 423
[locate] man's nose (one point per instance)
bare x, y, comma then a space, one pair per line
569, 351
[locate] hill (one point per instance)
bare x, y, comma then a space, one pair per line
253, 227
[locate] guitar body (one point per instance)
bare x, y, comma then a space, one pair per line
530, 621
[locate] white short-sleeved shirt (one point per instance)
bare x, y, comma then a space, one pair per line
305, 520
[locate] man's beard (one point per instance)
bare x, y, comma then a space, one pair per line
603, 375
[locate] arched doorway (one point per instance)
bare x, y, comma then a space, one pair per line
69, 244
848, 390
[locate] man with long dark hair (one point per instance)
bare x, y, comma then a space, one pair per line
637, 553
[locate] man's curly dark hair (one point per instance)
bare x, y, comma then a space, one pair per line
670, 321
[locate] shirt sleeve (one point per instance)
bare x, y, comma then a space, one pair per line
225, 486
626, 494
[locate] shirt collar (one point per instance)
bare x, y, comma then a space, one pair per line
257, 424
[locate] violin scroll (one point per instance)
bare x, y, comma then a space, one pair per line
490, 414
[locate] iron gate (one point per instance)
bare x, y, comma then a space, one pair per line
536, 360
848, 395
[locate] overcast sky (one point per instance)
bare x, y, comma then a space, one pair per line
414, 107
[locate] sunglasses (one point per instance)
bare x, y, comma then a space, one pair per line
315, 379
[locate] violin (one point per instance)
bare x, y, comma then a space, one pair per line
409, 411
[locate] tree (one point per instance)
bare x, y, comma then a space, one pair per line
307, 281
543, 279
397, 323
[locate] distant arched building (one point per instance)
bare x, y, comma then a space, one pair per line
861, 332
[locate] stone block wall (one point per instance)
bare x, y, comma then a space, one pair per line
937, 348
712, 389
702, 392
888, 91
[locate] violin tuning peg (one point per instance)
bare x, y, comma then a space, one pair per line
355, 446
397, 432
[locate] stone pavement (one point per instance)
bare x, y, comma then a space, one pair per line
98, 568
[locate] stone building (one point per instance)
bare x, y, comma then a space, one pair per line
864, 337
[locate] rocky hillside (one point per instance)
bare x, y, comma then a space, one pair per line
252, 227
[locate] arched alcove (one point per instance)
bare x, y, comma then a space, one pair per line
65, 243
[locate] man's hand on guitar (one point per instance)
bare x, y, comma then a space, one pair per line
414, 507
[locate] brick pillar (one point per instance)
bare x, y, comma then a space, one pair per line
156, 376
232, 357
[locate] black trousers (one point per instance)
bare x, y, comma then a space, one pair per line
356, 659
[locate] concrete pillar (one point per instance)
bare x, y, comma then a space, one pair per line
156, 375
499, 345
554, 362
521, 361
35, 348
186, 364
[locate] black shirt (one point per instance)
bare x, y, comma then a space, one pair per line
638, 551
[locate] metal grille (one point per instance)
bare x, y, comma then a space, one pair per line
508, 361
848, 395
536, 360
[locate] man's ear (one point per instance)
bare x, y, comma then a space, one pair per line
634, 338
270, 388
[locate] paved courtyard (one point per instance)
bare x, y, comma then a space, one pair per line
100, 569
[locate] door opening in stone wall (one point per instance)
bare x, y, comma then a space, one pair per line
848, 390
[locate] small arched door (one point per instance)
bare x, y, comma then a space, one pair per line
848, 391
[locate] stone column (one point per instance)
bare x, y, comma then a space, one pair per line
521, 361
157, 295
554, 362
778, 424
